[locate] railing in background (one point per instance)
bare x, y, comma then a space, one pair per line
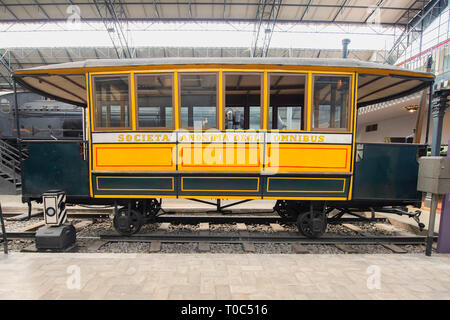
10, 169
441, 59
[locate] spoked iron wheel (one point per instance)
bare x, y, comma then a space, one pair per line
312, 224
128, 223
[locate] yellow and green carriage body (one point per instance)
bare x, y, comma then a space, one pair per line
279, 129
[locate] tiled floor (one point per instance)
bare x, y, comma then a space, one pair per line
223, 276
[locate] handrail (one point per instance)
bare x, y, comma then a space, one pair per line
8, 146
9, 154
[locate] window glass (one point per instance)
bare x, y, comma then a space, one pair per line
111, 102
154, 101
287, 102
330, 102
242, 101
198, 100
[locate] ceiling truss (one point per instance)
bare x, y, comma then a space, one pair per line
407, 21
266, 15
114, 17
414, 28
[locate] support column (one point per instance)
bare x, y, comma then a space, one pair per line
438, 111
5, 239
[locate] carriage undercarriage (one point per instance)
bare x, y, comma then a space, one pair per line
311, 217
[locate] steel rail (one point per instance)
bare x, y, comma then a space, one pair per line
20, 235
203, 236
225, 219
229, 219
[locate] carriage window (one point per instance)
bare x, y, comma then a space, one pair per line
198, 100
112, 102
243, 101
287, 102
154, 101
330, 102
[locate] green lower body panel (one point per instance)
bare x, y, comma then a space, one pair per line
204, 185
133, 185
55, 166
387, 172
291, 186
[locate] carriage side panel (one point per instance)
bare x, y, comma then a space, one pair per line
55, 166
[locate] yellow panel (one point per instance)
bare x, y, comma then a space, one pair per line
134, 157
132, 92
265, 100
176, 101
310, 158
89, 126
220, 157
221, 106
354, 114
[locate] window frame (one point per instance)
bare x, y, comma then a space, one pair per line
305, 106
349, 103
94, 102
261, 101
136, 99
180, 102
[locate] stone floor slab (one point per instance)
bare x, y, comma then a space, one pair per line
223, 276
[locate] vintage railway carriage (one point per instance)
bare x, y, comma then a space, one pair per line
280, 129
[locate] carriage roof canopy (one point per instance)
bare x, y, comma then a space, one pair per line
377, 82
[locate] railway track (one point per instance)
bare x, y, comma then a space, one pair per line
205, 236
238, 238
261, 238
347, 244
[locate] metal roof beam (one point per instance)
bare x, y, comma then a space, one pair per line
41, 9
403, 41
229, 20
13, 56
192, 4
210, 3
7, 66
8, 9
407, 12
266, 15
339, 11
113, 14
41, 56
155, 6
377, 7
68, 54
306, 10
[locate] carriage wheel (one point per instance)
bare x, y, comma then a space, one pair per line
312, 224
128, 223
